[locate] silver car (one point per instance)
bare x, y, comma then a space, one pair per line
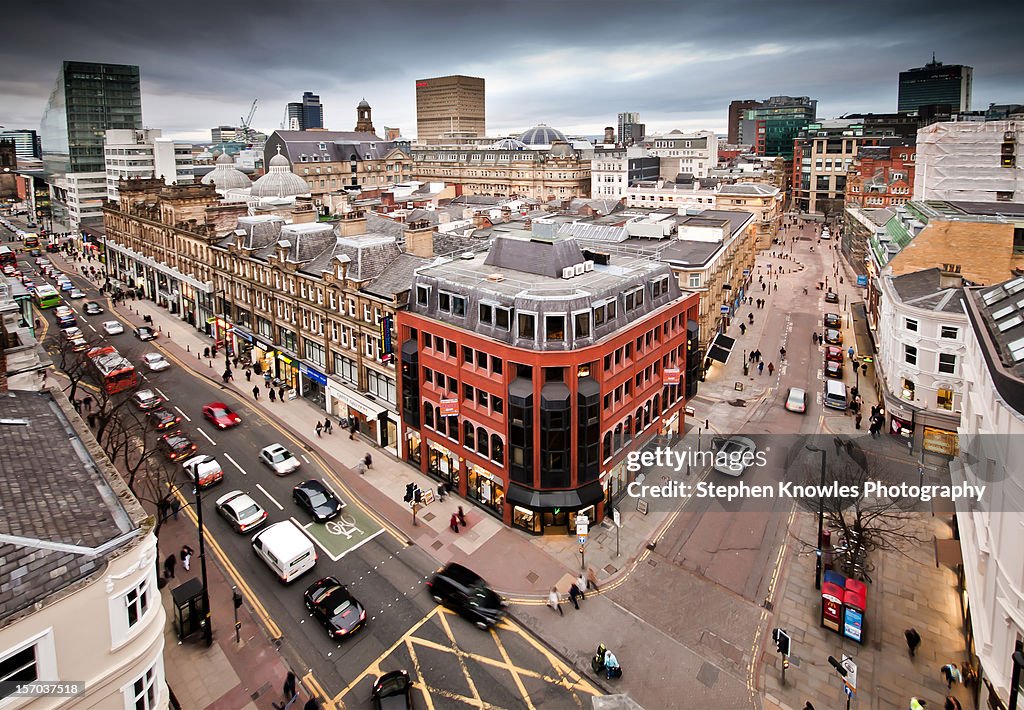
279, 459
239, 509
155, 362
796, 400
734, 455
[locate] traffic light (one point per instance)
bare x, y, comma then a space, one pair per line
837, 665
417, 494
782, 641
237, 598
409, 488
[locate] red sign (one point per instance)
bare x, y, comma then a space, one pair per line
671, 375
422, 83
449, 407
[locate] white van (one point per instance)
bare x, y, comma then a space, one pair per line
835, 395
285, 549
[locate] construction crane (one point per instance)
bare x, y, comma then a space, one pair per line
247, 131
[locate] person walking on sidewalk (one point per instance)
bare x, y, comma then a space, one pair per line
256, 393
266, 380
290, 688
169, 564
368, 460
272, 394
575, 595
760, 368
951, 674
328, 426
808, 706
952, 703
782, 353
916, 704
248, 374
554, 602
175, 507
319, 428
462, 517
280, 393
186, 557
352, 427
771, 369
581, 583
454, 523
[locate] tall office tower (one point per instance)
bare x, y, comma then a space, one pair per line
737, 110
26, 142
773, 124
305, 114
627, 118
223, 134
87, 100
449, 108
935, 83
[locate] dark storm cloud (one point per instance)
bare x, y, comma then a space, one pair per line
569, 64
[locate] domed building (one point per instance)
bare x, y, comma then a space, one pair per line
542, 134
225, 176
280, 181
509, 144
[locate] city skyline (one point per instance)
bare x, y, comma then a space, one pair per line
575, 71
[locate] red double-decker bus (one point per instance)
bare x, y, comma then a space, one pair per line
114, 371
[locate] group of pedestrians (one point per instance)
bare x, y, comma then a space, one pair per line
577, 591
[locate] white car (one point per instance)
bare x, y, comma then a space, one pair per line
734, 455
203, 470
72, 333
76, 293
113, 327
155, 362
241, 511
796, 401
279, 459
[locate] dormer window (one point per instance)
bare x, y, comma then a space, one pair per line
323, 146
302, 158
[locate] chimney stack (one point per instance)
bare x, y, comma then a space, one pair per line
352, 223
950, 277
419, 239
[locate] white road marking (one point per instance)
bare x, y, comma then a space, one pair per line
272, 499
165, 397
228, 457
305, 459
206, 435
91, 328
187, 418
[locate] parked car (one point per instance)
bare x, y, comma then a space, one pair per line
833, 336
92, 308
833, 369
162, 418
734, 455
330, 603
145, 333
146, 399
317, 499
831, 297
796, 400
834, 353
241, 511
279, 459
204, 470
113, 327
218, 414
155, 362
176, 445
466, 592
392, 691
832, 320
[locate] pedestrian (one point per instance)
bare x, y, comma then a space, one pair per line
743, 329
163, 509
758, 354
266, 380
441, 492
290, 689
280, 393
248, 374
169, 564
554, 602
952, 703
256, 392
312, 704
916, 704
592, 578
272, 394
814, 337
328, 426
175, 507
206, 352
319, 428
78, 405
850, 351
750, 317
782, 353
186, 557
760, 368
352, 424
462, 517
808, 706
581, 583
856, 420
771, 369
454, 523
368, 460
574, 596
91, 418
951, 674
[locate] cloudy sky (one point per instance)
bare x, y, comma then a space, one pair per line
571, 64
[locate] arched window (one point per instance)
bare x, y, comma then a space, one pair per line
638, 421
439, 420
618, 437
497, 450
647, 415
627, 429
467, 434
657, 405
481, 441
607, 446
428, 416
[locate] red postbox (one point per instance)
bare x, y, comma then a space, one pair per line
855, 597
831, 605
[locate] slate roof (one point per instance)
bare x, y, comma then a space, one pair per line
397, 277
534, 256
921, 289
54, 494
340, 145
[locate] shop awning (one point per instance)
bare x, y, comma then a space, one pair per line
576, 499
720, 348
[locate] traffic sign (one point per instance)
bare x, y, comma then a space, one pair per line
616, 518
850, 679
582, 525
583, 539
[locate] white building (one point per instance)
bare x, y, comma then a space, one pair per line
79, 599
992, 447
144, 154
693, 153
84, 194
970, 162
921, 351
613, 170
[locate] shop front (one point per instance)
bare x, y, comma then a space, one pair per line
370, 419
554, 512
443, 464
243, 343
614, 483
901, 428
288, 372
263, 357
314, 385
941, 441
412, 448
486, 488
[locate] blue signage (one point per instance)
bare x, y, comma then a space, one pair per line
853, 621
312, 374
862, 280
241, 334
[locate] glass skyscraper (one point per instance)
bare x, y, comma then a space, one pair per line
776, 122
935, 83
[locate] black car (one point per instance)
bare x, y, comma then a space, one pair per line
833, 369
833, 336
392, 691
464, 591
176, 445
317, 500
831, 297
329, 601
144, 333
92, 308
832, 320
162, 418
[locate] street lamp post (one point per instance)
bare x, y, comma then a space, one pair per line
207, 628
821, 515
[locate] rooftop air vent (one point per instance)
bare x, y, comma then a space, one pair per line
577, 269
495, 278
568, 272
588, 265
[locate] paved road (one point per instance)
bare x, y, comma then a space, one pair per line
449, 658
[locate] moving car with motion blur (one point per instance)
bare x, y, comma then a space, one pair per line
465, 591
162, 418
796, 400
218, 414
330, 603
203, 470
279, 459
176, 445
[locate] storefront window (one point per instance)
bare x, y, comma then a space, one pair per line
486, 488
525, 520
945, 399
443, 464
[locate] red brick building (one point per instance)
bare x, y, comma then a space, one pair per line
881, 176
530, 371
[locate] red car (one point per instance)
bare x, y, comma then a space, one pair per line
220, 416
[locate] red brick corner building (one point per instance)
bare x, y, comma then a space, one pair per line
531, 370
